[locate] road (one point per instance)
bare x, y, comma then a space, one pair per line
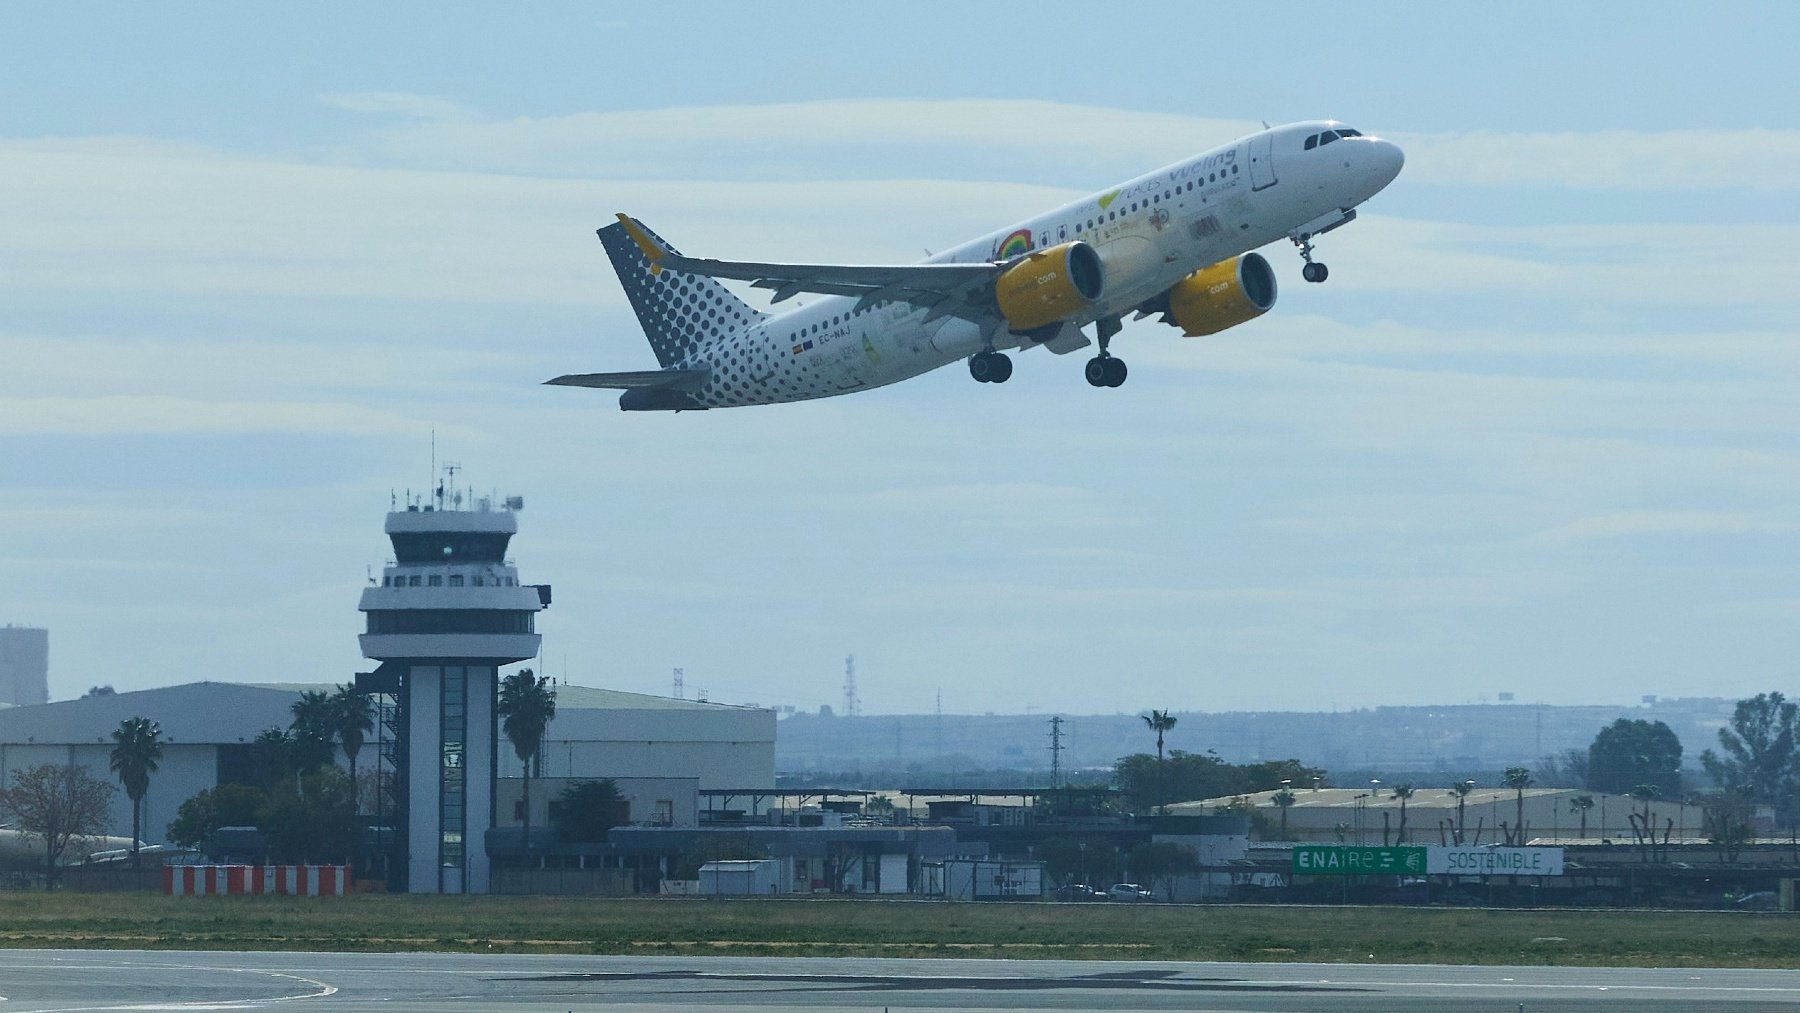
71, 980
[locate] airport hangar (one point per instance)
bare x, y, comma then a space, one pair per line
662, 752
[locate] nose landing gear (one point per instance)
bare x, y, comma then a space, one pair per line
1305, 234
1313, 271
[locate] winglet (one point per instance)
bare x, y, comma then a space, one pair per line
653, 251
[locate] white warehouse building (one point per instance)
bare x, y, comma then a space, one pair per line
208, 728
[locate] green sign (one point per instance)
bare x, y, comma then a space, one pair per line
1346, 860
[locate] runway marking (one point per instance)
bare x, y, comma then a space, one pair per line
321, 990
1549, 985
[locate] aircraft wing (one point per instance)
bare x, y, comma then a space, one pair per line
943, 289
677, 379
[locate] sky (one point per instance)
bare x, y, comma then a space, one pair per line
1539, 434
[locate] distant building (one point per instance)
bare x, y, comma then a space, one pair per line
1372, 816
658, 748
24, 665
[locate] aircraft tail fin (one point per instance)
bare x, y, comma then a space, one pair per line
679, 312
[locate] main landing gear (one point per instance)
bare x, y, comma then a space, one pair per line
1312, 271
990, 367
1103, 370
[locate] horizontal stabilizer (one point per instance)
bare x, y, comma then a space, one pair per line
677, 379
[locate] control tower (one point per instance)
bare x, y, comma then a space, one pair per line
448, 614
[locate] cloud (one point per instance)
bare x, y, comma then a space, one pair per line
245, 365
1639, 523
788, 138
161, 415
422, 107
1607, 160
65, 517
988, 503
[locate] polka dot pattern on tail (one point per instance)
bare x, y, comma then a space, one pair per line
679, 312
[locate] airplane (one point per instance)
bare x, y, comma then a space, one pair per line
1176, 244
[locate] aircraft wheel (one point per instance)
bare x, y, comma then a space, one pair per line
1315, 272
1115, 372
1000, 367
1097, 370
981, 367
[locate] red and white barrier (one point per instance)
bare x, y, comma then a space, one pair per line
293, 880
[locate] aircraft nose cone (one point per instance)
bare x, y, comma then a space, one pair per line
1389, 159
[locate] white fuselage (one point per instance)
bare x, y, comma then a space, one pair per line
1150, 233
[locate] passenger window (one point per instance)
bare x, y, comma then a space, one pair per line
1312, 142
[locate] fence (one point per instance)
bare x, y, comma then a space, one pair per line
292, 880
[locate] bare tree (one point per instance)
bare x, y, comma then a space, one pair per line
1461, 790
1402, 793
1518, 779
56, 804
1565, 769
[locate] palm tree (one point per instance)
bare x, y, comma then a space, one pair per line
1580, 804
1402, 792
1518, 779
1461, 790
134, 760
353, 716
527, 703
1160, 722
1283, 799
315, 729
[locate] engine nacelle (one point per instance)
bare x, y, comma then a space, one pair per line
1223, 295
1049, 286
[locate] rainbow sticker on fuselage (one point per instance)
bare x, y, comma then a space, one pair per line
1017, 244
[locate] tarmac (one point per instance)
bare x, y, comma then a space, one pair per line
69, 980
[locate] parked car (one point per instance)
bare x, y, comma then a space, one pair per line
1077, 891
1131, 893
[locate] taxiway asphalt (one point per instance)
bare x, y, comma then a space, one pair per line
70, 980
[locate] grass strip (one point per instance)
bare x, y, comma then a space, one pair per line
842, 927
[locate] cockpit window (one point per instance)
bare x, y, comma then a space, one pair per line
1312, 142
1327, 137
1347, 132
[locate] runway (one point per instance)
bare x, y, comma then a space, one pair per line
65, 981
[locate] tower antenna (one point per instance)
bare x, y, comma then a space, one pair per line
852, 705
1056, 748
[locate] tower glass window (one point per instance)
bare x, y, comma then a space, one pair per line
452, 802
